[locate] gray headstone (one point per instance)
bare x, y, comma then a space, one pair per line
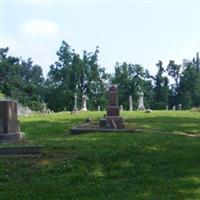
9, 124
141, 101
130, 103
179, 106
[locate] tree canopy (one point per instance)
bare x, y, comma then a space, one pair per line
81, 74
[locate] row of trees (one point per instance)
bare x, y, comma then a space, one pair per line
23, 81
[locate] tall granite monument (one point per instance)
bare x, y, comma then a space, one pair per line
9, 125
113, 120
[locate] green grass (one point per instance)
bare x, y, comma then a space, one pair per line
159, 163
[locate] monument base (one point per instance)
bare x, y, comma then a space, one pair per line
75, 110
95, 127
141, 108
10, 137
114, 122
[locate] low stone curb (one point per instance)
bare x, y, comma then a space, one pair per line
21, 151
83, 129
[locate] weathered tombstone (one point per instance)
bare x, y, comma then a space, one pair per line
141, 101
113, 120
9, 125
148, 111
23, 110
44, 108
130, 103
84, 103
75, 103
48, 111
99, 108
121, 108
174, 108
167, 107
179, 106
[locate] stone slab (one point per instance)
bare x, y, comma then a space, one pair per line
10, 137
83, 128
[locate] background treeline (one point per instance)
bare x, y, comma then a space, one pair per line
172, 85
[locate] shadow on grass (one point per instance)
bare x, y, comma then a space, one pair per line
139, 166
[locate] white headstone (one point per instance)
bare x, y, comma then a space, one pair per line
44, 108
130, 103
98, 108
179, 106
121, 108
174, 108
84, 103
141, 101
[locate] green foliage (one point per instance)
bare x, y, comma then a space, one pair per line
71, 74
81, 74
20, 80
161, 88
2, 96
189, 90
130, 78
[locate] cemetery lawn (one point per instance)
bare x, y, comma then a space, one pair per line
162, 162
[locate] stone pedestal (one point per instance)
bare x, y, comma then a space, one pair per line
141, 101
113, 120
9, 125
84, 103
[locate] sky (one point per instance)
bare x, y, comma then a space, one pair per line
137, 32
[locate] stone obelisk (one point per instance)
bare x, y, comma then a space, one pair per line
113, 120
141, 101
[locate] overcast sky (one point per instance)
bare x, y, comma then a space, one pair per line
139, 32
